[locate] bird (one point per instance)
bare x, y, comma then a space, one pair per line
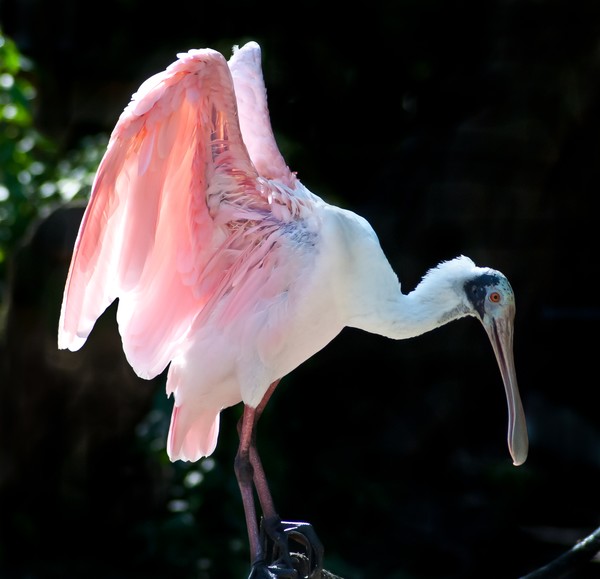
229, 272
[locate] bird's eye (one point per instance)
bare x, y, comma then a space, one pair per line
495, 297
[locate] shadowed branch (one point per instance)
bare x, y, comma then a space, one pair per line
575, 558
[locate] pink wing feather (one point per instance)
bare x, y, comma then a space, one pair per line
175, 162
246, 70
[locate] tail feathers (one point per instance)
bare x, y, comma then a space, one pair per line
192, 435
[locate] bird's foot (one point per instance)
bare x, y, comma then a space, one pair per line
305, 561
260, 570
308, 552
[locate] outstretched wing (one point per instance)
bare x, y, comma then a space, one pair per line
255, 123
175, 166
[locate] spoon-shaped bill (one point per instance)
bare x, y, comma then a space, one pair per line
500, 332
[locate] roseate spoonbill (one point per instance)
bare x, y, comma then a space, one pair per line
227, 268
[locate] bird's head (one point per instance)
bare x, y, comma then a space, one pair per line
458, 288
491, 299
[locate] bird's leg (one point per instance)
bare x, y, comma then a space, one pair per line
245, 476
250, 473
260, 480
271, 523
249, 470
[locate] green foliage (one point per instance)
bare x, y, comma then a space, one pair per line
22, 149
34, 173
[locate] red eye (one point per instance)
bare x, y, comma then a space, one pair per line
495, 297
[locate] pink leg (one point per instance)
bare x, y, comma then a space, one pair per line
260, 479
250, 473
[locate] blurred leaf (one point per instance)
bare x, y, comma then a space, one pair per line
34, 173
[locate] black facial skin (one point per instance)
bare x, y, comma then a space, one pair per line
476, 290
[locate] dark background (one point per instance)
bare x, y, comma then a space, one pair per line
453, 127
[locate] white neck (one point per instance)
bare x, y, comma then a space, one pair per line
438, 299
366, 288
414, 314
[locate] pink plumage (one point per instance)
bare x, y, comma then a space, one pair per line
181, 221
232, 273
